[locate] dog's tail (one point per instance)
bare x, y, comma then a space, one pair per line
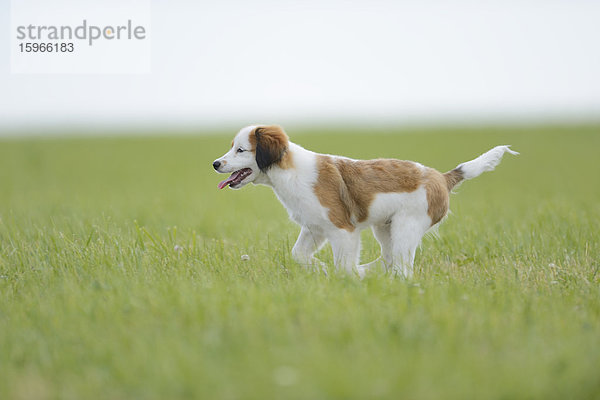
472, 169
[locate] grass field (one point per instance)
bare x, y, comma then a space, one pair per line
96, 300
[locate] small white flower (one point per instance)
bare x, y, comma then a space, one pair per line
177, 248
285, 376
245, 257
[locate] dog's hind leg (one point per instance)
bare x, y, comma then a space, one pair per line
383, 235
309, 241
406, 234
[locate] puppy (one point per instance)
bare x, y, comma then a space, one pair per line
334, 198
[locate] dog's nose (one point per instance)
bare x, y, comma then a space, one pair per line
216, 164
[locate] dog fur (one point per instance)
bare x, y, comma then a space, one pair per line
334, 198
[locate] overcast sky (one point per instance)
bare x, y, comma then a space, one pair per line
228, 63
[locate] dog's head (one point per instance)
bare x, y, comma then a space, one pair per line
253, 151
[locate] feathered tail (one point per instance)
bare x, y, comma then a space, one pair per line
472, 169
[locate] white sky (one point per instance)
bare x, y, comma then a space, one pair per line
229, 63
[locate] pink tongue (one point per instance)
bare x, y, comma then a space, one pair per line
229, 180
225, 183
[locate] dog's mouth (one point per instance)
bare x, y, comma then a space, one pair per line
236, 178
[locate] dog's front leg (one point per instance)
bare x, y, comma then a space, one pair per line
309, 241
346, 249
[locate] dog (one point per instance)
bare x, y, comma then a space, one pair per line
334, 198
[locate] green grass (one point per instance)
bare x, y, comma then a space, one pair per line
95, 302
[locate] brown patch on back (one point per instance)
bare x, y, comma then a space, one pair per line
438, 199
271, 147
348, 187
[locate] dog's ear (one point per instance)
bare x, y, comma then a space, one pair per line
271, 145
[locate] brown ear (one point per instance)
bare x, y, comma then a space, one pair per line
271, 145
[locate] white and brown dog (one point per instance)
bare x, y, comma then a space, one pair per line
334, 198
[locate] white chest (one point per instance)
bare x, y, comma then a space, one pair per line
295, 189
301, 203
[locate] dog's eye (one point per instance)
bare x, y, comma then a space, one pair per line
240, 150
